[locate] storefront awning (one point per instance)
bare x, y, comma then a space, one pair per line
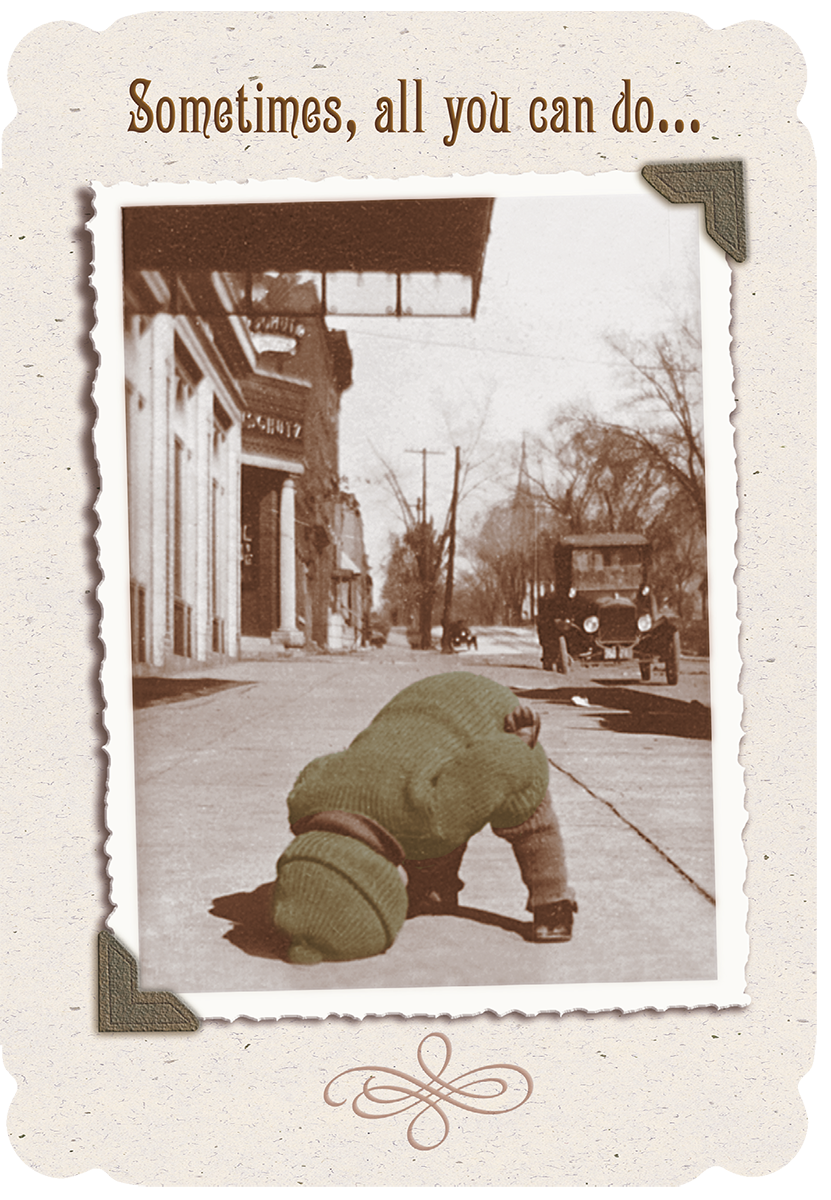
345, 563
371, 257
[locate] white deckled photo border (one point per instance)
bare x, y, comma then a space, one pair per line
728, 988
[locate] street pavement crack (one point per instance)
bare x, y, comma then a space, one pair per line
636, 830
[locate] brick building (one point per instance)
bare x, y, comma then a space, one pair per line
234, 489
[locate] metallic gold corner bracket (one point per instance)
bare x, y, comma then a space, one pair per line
122, 1008
719, 186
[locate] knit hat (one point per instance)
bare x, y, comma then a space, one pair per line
337, 899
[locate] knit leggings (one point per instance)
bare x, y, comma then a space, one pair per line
539, 852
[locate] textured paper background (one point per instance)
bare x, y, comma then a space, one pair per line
675, 1092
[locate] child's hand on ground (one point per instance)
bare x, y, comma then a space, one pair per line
525, 723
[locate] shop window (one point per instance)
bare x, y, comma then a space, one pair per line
188, 374
182, 629
182, 612
178, 517
218, 635
214, 547
138, 622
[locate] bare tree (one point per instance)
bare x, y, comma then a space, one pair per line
679, 555
663, 377
502, 560
510, 554
419, 554
411, 587
602, 479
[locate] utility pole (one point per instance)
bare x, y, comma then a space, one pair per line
424, 452
446, 646
426, 574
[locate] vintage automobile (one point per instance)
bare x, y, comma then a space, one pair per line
379, 630
462, 635
603, 607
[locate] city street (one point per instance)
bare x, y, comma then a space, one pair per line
217, 753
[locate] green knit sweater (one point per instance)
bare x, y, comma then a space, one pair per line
433, 767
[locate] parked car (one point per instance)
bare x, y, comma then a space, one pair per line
379, 629
462, 635
603, 607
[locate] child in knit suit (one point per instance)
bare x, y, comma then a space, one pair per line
442, 759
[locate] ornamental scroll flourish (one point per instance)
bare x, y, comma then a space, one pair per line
480, 1093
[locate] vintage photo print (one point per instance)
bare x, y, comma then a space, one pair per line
422, 550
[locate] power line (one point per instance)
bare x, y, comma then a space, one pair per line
380, 337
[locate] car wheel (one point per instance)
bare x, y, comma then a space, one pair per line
562, 656
673, 659
646, 670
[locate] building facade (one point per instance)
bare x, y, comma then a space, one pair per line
234, 491
239, 530
349, 620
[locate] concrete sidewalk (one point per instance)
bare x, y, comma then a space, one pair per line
213, 773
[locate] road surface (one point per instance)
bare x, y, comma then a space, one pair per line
217, 752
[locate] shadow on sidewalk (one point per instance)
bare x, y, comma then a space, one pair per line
254, 934
525, 929
152, 689
254, 931
635, 711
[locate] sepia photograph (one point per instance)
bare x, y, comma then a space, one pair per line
419, 601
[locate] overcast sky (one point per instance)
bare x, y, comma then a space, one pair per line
559, 273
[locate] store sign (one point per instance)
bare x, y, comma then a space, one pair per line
282, 326
275, 334
285, 429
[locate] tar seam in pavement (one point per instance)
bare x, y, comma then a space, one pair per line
639, 832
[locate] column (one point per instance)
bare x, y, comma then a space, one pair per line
288, 633
160, 383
